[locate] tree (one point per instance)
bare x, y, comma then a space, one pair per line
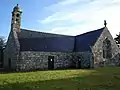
2, 46
2, 42
117, 39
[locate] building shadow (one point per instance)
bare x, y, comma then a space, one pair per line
98, 80
59, 84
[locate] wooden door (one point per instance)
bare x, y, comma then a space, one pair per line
50, 62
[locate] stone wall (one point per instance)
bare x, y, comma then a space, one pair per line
115, 60
97, 50
85, 58
39, 60
11, 51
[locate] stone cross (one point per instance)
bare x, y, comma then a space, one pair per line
105, 23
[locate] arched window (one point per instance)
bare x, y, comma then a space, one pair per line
18, 15
107, 49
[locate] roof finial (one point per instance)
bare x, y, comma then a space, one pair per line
105, 23
17, 5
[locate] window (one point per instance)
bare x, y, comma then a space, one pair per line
17, 15
16, 19
107, 49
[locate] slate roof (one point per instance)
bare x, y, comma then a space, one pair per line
84, 41
33, 34
47, 42
55, 44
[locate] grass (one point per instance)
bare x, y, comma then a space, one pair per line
107, 78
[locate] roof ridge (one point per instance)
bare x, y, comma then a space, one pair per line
91, 31
43, 32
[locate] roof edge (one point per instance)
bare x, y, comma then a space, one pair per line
30, 30
91, 31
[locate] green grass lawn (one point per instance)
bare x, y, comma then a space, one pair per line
107, 78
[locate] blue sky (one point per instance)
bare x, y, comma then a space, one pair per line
70, 17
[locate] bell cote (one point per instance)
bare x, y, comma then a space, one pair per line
16, 18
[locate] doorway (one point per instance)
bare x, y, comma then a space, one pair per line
78, 63
1, 58
50, 62
9, 63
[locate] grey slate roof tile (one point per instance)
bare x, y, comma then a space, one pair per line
84, 41
47, 42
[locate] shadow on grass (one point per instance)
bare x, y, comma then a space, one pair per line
61, 84
99, 80
40, 70
76, 83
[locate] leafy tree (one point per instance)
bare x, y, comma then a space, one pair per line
2, 46
117, 39
2, 42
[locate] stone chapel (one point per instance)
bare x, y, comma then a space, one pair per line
32, 50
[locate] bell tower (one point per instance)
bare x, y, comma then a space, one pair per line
16, 19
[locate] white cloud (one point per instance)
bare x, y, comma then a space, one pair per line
66, 2
91, 12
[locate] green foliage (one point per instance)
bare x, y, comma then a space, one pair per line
117, 39
2, 42
107, 78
